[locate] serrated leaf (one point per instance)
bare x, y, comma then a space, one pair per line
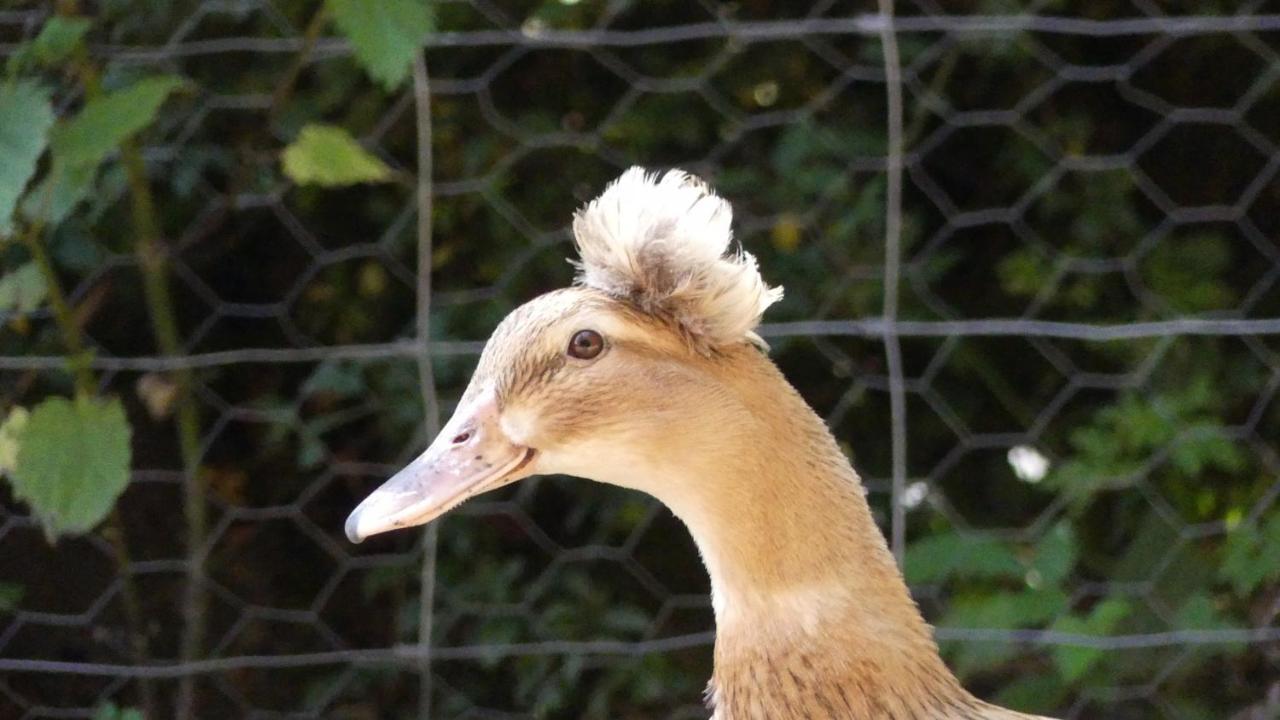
59, 36
25, 119
23, 289
386, 35
104, 123
328, 156
72, 463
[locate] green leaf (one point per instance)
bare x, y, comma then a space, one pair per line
1055, 555
83, 142
1028, 608
1200, 613
59, 36
1033, 693
1024, 272
23, 289
1075, 661
1005, 610
103, 124
1207, 445
11, 438
59, 191
328, 156
939, 557
1246, 563
25, 119
72, 463
386, 35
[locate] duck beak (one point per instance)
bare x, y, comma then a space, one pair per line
470, 455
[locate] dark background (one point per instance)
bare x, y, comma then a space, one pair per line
1067, 172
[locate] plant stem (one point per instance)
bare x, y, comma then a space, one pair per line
284, 90
114, 533
152, 262
155, 285
62, 315
113, 530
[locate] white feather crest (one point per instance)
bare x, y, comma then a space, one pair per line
663, 243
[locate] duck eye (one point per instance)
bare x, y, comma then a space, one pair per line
586, 344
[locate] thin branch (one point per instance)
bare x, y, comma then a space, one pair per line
113, 531
152, 259
284, 90
63, 317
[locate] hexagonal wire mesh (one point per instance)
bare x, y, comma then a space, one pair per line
1040, 299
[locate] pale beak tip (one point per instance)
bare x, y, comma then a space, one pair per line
353, 528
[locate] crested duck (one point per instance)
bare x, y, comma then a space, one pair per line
648, 374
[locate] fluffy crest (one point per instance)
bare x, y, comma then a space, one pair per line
663, 244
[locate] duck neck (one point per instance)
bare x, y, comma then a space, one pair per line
802, 580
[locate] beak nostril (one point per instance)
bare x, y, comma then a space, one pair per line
461, 437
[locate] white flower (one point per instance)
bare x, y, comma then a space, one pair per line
914, 494
1028, 463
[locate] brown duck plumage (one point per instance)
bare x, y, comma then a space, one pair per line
813, 617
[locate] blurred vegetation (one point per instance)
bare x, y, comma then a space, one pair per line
171, 188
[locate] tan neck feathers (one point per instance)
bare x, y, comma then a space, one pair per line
813, 617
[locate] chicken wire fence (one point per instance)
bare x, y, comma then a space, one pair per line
1064, 326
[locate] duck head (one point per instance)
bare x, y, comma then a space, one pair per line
620, 378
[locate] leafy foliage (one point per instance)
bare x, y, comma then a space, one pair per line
936, 558
1249, 557
23, 289
59, 37
10, 438
104, 123
387, 35
1112, 451
25, 119
1074, 661
328, 156
81, 144
72, 462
